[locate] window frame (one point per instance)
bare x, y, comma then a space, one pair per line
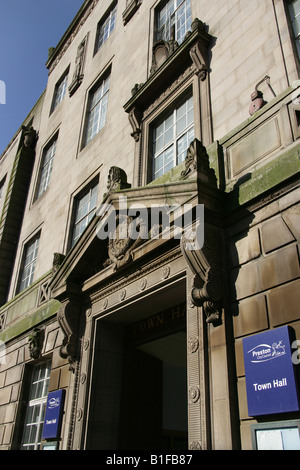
48, 148
2, 183
146, 167
106, 76
60, 90
40, 401
94, 183
166, 35
31, 264
173, 111
106, 21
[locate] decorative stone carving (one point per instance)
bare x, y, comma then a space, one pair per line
30, 137
68, 318
194, 394
79, 414
83, 378
122, 242
58, 260
131, 7
35, 342
135, 118
193, 344
73, 33
161, 51
205, 264
116, 181
197, 160
166, 272
195, 445
78, 73
122, 294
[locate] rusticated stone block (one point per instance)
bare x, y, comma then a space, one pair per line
5, 394
283, 303
274, 234
245, 248
251, 317
14, 375
266, 272
292, 219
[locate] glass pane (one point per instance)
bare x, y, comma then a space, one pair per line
295, 8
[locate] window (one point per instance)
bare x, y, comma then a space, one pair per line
172, 137
85, 208
176, 15
105, 28
2, 186
46, 168
36, 407
28, 263
60, 91
294, 10
97, 109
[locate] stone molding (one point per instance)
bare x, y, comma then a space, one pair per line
205, 265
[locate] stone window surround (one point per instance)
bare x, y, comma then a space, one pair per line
110, 12
105, 73
57, 90
150, 122
49, 145
93, 179
88, 195
38, 401
163, 87
26, 244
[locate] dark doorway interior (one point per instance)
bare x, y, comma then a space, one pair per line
138, 395
154, 395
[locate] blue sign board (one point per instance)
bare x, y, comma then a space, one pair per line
53, 415
271, 382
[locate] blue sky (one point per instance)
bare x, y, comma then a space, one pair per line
28, 28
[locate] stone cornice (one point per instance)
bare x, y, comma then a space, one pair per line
72, 31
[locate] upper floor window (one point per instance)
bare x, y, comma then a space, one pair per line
294, 10
85, 209
28, 263
174, 15
36, 407
46, 168
106, 27
2, 186
60, 91
172, 136
97, 109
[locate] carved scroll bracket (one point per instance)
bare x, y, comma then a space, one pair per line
199, 51
68, 318
135, 119
198, 57
205, 264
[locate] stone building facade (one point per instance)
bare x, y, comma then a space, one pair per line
175, 104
